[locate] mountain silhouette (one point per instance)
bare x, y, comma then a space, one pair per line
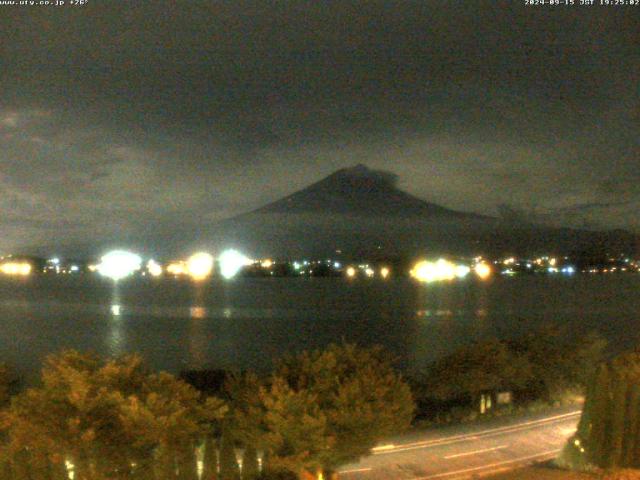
358, 213
361, 213
359, 191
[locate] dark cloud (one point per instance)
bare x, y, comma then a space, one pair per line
135, 116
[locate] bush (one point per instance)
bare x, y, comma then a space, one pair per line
542, 366
324, 408
8, 384
625, 474
108, 417
609, 429
573, 458
277, 475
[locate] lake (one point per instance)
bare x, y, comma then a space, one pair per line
245, 323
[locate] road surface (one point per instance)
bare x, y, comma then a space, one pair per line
467, 452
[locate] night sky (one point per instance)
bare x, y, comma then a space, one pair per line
128, 119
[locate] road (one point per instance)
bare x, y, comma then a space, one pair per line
467, 452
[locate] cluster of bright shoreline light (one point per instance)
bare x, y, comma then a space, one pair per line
427, 271
482, 270
352, 271
231, 261
119, 264
15, 268
200, 265
441, 270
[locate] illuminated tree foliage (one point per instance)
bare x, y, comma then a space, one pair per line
229, 469
6, 382
541, 365
210, 458
322, 409
106, 419
250, 468
609, 431
478, 368
557, 362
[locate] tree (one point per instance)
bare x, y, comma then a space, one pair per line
7, 382
109, 419
250, 468
478, 368
295, 427
608, 434
246, 416
557, 362
210, 458
228, 463
324, 408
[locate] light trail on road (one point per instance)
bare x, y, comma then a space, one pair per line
386, 449
491, 468
462, 455
475, 452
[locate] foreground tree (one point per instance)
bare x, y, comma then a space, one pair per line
7, 381
478, 368
322, 409
559, 363
107, 419
608, 434
544, 364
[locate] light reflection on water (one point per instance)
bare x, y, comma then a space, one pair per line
150, 311
198, 338
198, 312
245, 323
116, 341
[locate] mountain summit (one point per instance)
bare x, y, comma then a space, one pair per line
359, 191
361, 212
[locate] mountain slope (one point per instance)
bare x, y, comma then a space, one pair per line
355, 210
359, 191
361, 212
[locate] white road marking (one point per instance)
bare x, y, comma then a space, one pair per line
391, 448
484, 450
537, 456
382, 448
355, 470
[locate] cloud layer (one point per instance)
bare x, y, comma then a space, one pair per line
120, 122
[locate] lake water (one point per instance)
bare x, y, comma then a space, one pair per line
245, 323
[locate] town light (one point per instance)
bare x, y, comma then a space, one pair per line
462, 271
351, 272
119, 264
16, 268
176, 268
154, 268
231, 261
426, 271
482, 270
200, 265
384, 272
